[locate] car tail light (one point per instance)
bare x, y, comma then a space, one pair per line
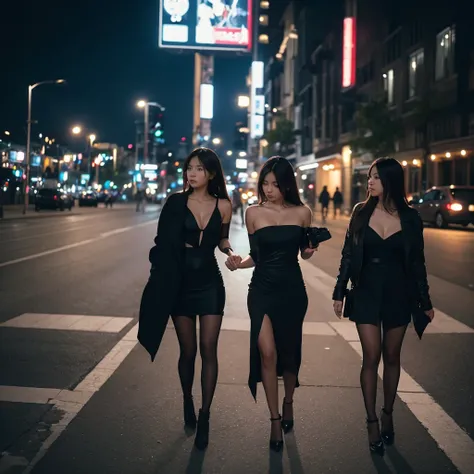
455, 206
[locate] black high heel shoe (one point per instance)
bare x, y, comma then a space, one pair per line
376, 447
388, 435
276, 444
202, 435
286, 424
189, 413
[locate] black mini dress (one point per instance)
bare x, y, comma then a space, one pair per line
202, 290
382, 293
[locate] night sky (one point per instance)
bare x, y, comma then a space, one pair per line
107, 51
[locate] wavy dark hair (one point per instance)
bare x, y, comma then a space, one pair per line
285, 177
394, 197
216, 186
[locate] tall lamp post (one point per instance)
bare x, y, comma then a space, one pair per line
77, 130
145, 105
28, 135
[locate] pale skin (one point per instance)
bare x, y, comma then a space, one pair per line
202, 204
274, 212
383, 222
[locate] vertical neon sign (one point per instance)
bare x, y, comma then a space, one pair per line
349, 52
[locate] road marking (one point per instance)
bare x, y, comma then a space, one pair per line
444, 324
10, 393
68, 322
448, 435
35, 235
71, 402
77, 244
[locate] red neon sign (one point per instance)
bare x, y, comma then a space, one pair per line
349, 52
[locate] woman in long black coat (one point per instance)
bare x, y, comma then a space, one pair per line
185, 280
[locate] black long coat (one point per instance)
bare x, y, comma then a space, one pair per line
167, 259
414, 262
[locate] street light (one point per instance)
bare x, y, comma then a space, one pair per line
28, 135
6, 132
145, 105
77, 130
216, 141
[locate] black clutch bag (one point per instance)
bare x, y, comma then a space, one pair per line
420, 321
316, 235
348, 303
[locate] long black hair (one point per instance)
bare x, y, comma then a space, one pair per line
394, 197
285, 178
216, 186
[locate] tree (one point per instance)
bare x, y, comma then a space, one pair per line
282, 137
377, 129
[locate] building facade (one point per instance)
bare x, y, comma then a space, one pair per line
333, 60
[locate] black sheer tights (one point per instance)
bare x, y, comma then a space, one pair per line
375, 343
210, 326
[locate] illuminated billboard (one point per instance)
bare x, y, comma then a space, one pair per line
349, 53
206, 24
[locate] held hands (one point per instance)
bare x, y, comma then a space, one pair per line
233, 262
337, 305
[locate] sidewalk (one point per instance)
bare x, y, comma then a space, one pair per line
132, 424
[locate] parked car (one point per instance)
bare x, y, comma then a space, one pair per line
52, 199
88, 198
445, 205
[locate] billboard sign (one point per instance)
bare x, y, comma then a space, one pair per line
349, 53
206, 24
257, 101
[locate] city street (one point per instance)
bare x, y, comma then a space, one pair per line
78, 394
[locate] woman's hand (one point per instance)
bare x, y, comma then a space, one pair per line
233, 262
430, 313
337, 305
308, 252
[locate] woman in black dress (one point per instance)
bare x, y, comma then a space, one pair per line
384, 259
277, 299
202, 226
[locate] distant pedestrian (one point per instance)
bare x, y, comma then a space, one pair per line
337, 200
277, 299
185, 281
384, 259
238, 205
324, 199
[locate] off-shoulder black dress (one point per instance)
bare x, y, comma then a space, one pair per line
277, 290
202, 290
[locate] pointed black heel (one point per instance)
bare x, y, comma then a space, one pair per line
375, 447
286, 424
387, 434
189, 413
276, 444
202, 435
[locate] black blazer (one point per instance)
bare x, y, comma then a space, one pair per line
352, 257
162, 288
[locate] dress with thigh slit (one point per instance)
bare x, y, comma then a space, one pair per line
202, 291
277, 290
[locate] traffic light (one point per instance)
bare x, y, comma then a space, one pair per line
157, 128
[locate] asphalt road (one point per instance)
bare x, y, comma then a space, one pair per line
76, 397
